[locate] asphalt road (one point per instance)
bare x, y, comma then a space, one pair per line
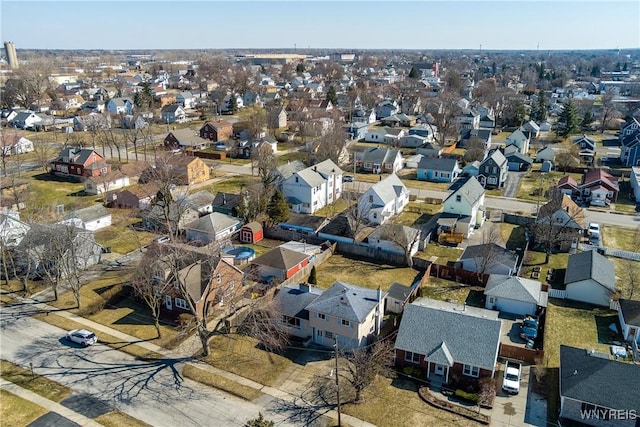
152, 391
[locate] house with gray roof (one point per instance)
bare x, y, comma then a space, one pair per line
489, 258
438, 169
466, 204
380, 160
515, 295
278, 264
310, 189
597, 391
396, 239
201, 201
211, 228
384, 199
91, 219
185, 138
493, 170
397, 296
629, 316
291, 302
448, 339
346, 313
590, 278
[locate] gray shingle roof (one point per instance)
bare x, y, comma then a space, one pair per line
89, 214
469, 339
399, 291
441, 355
389, 188
292, 300
212, 223
346, 302
603, 382
590, 265
471, 191
379, 155
498, 253
438, 164
630, 311
515, 288
280, 258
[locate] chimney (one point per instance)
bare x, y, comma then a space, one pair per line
464, 307
315, 168
379, 312
224, 198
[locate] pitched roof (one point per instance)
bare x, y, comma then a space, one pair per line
188, 137
630, 310
89, 214
567, 180
590, 265
212, 222
441, 355
389, 188
437, 163
400, 234
226, 199
516, 288
290, 168
200, 199
347, 301
497, 157
471, 191
574, 214
427, 324
586, 377
280, 258
602, 176
379, 155
518, 157
498, 253
399, 291
292, 300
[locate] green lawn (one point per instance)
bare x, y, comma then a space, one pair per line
444, 253
362, 273
334, 208
232, 184
120, 236
627, 239
17, 411
532, 182
46, 191
556, 261
285, 158
447, 290
512, 235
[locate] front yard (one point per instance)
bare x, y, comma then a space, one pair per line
535, 181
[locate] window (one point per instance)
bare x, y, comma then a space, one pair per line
296, 179
412, 357
294, 322
322, 316
219, 278
370, 198
458, 198
471, 371
345, 322
492, 180
328, 334
180, 303
495, 169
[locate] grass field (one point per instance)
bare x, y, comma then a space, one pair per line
120, 236
445, 254
362, 273
232, 184
533, 181
17, 411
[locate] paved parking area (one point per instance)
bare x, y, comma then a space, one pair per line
523, 409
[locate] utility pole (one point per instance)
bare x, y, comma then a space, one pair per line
337, 383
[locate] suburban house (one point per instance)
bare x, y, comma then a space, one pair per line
12, 230
518, 162
468, 135
91, 122
590, 278
634, 181
384, 135
489, 258
519, 140
562, 218
210, 228
173, 113
140, 196
545, 153
471, 169
119, 106
493, 170
201, 201
423, 130
356, 130
92, 218
629, 317
384, 199
443, 339
251, 233
79, 162
630, 147
219, 130
226, 203
13, 144
277, 118
278, 264
57, 249
599, 187
186, 99
190, 170
185, 138
430, 149
438, 169
380, 160
292, 301
567, 185
467, 205
111, 181
172, 219
313, 188
597, 391
25, 119
531, 128
395, 238
413, 141
515, 295
587, 147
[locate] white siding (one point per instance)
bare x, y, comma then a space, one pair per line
588, 291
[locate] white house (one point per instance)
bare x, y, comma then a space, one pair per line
545, 153
590, 278
467, 201
629, 316
395, 238
313, 188
12, 230
13, 144
186, 99
91, 219
111, 181
515, 295
173, 113
211, 228
384, 199
635, 182
519, 140
489, 258
119, 106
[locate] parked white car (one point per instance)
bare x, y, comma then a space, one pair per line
594, 229
82, 336
511, 380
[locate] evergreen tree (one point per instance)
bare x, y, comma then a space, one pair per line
137, 100
278, 209
569, 121
233, 104
331, 95
260, 422
413, 74
540, 109
300, 68
313, 278
587, 119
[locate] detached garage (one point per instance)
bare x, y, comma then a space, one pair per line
515, 295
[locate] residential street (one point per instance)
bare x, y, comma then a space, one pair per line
152, 391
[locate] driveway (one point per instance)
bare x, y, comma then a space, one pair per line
511, 183
523, 409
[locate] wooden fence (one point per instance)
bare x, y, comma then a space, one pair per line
459, 275
527, 355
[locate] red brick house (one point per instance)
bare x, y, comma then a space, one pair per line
449, 342
251, 233
79, 162
216, 131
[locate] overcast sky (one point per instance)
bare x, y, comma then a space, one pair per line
364, 24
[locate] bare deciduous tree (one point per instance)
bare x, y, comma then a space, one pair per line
332, 144
364, 364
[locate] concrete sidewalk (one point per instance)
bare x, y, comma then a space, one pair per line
48, 404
